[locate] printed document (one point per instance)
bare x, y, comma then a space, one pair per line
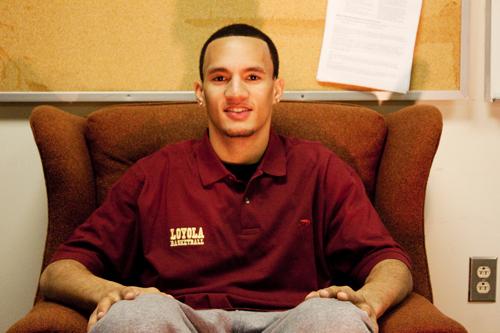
370, 43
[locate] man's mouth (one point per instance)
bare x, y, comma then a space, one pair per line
237, 109
238, 113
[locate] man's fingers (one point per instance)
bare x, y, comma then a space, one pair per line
92, 320
330, 292
346, 293
104, 306
131, 293
351, 296
312, 294
101, 309
326, 293
343, 293
333, 292
127, 293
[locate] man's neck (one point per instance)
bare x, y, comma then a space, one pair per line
240, 150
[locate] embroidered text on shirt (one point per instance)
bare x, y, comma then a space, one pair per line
188, 236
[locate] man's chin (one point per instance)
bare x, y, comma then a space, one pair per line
239, 133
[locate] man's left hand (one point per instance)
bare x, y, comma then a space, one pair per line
346, 293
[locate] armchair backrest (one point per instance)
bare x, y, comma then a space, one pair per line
83, 157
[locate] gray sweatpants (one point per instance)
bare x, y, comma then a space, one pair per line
158, 313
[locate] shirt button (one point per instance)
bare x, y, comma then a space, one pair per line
247, 201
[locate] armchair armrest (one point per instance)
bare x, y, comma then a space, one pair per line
50, 317
418, 315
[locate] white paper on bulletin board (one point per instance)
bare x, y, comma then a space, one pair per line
370, 43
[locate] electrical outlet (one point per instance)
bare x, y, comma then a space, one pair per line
482, 279
483, 272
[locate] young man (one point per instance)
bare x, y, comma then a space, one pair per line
243, 219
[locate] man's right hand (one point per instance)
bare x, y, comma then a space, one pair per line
69, 282
119, 294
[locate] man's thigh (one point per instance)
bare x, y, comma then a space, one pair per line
323, 315
159, 313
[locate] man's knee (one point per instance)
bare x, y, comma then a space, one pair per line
146, 313
330, 315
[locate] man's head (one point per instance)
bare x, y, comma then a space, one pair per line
239, 83
241, 30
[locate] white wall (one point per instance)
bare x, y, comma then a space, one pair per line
22, 218
463, 195
462, 208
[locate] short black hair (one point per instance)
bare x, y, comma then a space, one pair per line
245, 30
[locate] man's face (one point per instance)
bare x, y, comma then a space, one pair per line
238, 88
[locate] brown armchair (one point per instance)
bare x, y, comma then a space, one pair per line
82, 157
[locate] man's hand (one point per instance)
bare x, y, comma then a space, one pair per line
387, 284
346, 293
124, 293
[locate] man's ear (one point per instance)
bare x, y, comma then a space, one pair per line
279, 86
198, 90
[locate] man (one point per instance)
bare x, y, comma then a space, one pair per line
243, 219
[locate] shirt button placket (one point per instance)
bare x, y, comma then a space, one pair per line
248, 217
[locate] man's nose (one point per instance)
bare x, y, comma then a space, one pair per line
236, 89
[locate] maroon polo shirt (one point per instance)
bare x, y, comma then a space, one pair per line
178, 220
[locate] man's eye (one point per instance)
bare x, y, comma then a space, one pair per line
219, 78
253, 77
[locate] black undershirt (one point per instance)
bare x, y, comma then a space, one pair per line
242, 172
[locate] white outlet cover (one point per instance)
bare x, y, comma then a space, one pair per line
483, 272
483, 287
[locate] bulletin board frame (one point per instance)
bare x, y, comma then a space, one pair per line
492, 67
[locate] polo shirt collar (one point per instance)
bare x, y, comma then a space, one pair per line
212, 170
274, 160
210, 166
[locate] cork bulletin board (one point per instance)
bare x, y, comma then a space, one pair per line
96, 46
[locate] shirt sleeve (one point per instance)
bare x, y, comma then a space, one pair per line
356, 237
108, 242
